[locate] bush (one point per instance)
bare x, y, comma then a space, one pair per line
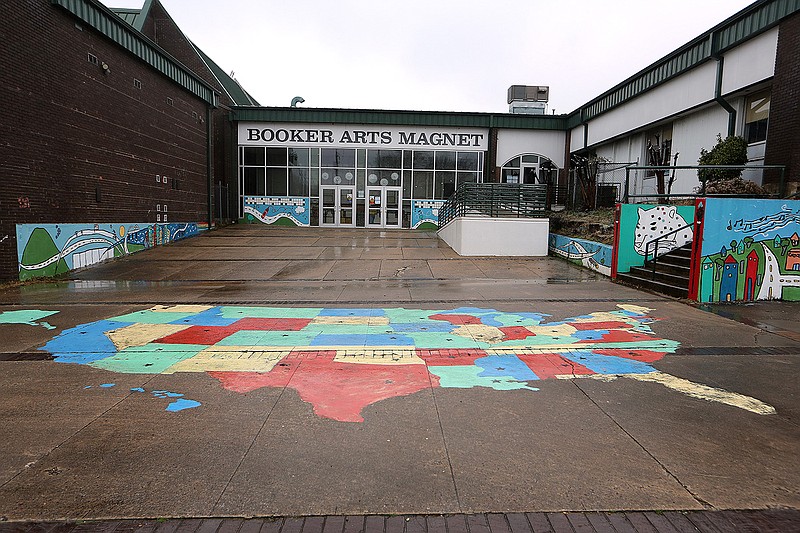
734, 186
731, 151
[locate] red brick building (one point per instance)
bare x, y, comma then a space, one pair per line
109, 117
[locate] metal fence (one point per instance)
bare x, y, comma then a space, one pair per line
221, 201
641, 182
510, 200
610, 182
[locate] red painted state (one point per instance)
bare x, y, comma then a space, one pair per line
550, 365
449, 357
271, 324
199, 335
338, 391
621, 336
645, 356
516, 333
587, 326
458, 320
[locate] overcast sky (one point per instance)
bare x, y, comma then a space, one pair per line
439, 55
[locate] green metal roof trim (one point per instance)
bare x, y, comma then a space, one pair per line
231, 86
402, 118
118, 30
746, 24
128, 15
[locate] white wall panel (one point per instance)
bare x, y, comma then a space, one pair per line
751, 62
511, 143
684, 92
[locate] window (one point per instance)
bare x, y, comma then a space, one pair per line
91, 58
756, 117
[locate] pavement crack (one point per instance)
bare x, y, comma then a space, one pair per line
255, 438
444, 443
76, 433
698, 499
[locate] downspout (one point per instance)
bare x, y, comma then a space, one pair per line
210, 164
720, 100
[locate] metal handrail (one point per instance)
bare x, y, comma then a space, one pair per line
655, 250
626, 194
495, 200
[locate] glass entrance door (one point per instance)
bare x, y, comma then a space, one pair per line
383, 209
337, 206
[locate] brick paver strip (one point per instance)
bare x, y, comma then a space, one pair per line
777, 520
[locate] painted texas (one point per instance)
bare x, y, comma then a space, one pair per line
342, 360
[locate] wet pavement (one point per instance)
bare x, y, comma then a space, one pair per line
321, 405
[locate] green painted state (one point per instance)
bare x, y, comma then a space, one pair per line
150, 359
438, 340
269, 338
30, 317
409, 316
232, 311
152, 317
466, 377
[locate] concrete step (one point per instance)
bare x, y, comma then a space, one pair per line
671, 278
654, 285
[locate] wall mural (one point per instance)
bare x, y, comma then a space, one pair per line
750, 250
640, 224
343, 360
425, 214
51, 249
278, 210
589, 254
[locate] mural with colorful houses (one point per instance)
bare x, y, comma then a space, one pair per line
750, 250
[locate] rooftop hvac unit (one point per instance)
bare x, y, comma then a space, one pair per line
528, 93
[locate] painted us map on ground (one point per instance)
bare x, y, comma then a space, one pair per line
342, 360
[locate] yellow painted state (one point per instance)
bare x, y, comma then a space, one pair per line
705, 392
351, 320
561, 330
635, 308
379, 357
480, 333
690, 388
230, 359
141, 334
180, 308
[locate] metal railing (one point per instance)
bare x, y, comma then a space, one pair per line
509, 200
627, 196
648, 262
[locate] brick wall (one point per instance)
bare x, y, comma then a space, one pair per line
80, 145
783, 135
162, 29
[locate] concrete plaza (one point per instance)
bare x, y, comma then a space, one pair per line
715, 427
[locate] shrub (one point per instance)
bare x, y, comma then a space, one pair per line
731, 151
735, 186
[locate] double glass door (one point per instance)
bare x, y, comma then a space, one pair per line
383, 206
338, 205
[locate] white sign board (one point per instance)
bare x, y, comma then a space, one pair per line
362, 136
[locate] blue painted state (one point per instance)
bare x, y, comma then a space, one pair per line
210, 317
84, 344
137, 389
333, 311
355, 339
181, 404
590, 335
608, 364
505, 365
433, 326
107, 385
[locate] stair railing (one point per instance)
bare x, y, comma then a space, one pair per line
495, 200
653, 263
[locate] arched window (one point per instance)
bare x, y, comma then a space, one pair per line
529, 168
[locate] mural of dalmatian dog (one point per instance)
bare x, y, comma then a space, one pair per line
659, 221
